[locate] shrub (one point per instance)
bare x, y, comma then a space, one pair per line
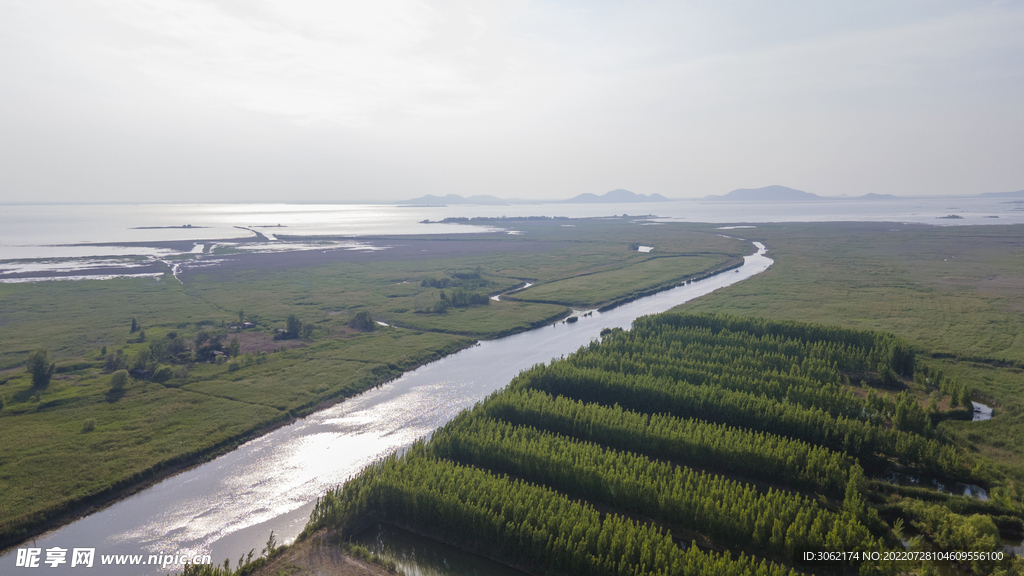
39, 365
114, 362
182, 373
163, 373
89, 425
363, 321
294, 326
118, 380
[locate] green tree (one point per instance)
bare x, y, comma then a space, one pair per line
114, 361
163, 373
955, 395
233, 348
135, 326
965, 397
40, 367
118, 380
909, 416
294, 326
889, 378
363, 321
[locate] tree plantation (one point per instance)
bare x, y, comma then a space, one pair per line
695, 444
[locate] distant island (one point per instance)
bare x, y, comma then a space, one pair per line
479, 200
1018, 193
766, 194
785, 194
165, 227
615, 197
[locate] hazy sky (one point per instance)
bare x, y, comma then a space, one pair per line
308, 100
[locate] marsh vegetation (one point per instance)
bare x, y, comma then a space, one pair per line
153, 375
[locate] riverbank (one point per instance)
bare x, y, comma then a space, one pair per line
73, 510
77, 448
319, 555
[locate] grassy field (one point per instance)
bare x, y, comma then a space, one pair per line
955, 292
599, 287
78, 443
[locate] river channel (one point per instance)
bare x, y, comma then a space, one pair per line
229, 505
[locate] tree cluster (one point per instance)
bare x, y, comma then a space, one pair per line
363, 322
643, 425
295, 328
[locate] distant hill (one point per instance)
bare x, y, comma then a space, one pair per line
766, 194
1016, 194
615, 197
432, 200
873, 196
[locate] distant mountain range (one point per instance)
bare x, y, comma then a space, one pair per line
784, 194
619, 196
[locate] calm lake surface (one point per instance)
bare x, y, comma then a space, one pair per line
229, 505
75, 231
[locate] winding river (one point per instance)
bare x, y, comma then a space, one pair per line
229, 505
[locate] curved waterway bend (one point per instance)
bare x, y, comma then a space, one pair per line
229, 505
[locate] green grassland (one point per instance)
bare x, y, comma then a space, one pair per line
77, 443
953, 292
592, 289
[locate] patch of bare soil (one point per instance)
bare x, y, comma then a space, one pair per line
315, 557
11, 371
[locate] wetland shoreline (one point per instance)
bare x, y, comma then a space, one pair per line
76, 510
69, 512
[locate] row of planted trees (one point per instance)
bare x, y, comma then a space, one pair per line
742, 431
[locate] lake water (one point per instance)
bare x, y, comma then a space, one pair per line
73, 237
229, 505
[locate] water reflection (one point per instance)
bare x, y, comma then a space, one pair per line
1013, 546
419, 556
981, 411
952, 488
